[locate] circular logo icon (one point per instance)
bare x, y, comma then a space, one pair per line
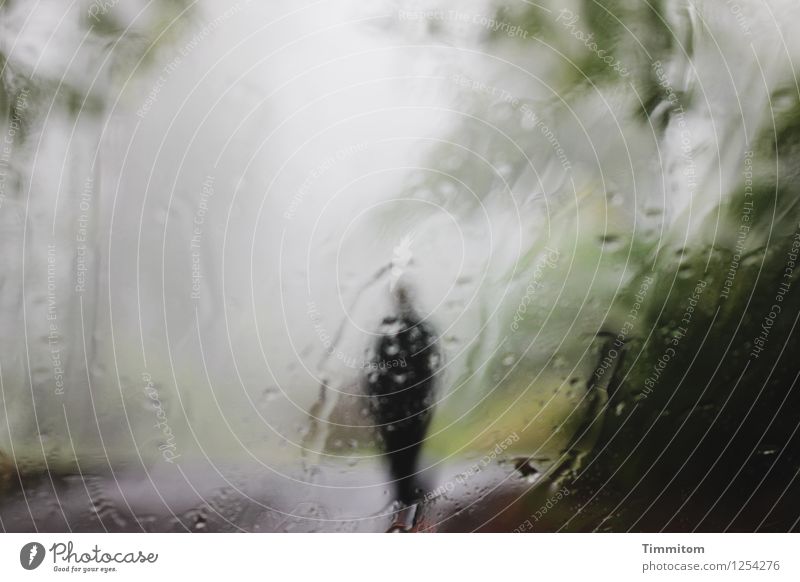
31, 555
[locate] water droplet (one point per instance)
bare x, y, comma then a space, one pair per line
753, 259
502, 112
611, 242
685, 271
269, 394
615, 198
504, 169
526, 469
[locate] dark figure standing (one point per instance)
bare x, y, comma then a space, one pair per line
400, 382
